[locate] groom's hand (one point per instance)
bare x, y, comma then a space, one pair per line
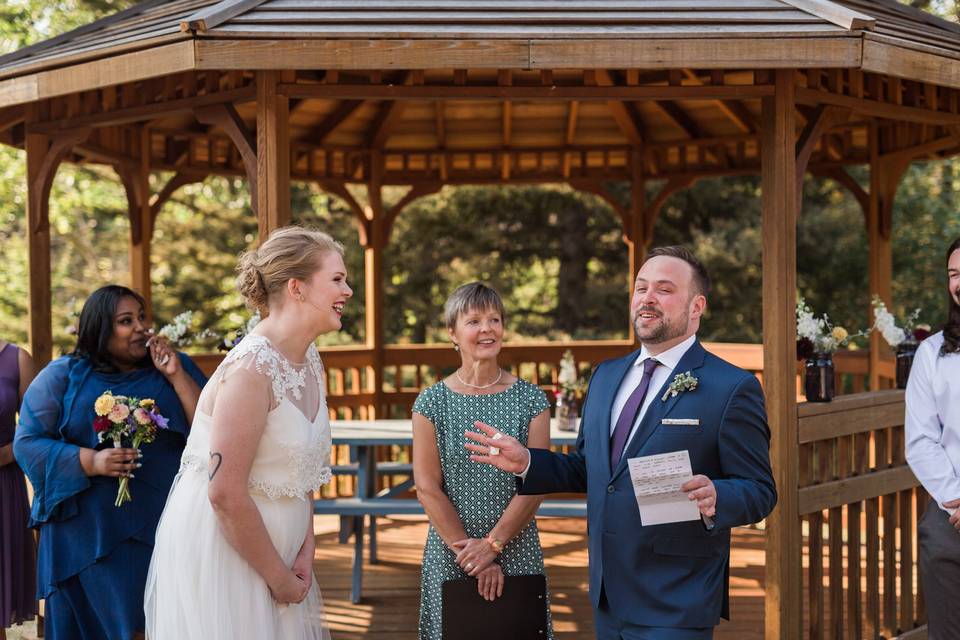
701, 489
512, 456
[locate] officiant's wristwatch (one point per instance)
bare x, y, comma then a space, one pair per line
495, 544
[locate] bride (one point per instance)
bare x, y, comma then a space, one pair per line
234, 549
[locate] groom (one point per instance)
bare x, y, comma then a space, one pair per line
667, 581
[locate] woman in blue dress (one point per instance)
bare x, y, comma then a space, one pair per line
93, 557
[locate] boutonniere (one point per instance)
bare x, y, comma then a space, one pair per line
680, 383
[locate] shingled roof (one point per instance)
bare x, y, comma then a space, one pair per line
154, 23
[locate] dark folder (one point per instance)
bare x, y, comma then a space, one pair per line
519, 614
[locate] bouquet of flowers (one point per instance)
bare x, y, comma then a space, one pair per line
886, 324
818, 335
126, 417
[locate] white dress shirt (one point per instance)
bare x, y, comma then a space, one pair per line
933, 420
668, 360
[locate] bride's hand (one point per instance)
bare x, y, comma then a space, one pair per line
291, 590
303, 567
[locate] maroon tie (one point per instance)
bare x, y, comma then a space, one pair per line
618, 441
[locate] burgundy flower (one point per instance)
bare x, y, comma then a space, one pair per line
805, 348
102, 423
920, 334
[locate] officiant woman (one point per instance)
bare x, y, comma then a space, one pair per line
93, 556
479, 527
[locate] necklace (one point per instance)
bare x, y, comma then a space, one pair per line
477, 386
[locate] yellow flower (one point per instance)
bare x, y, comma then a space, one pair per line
839, 334
104, 404
147, 403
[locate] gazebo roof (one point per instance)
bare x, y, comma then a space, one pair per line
507, 34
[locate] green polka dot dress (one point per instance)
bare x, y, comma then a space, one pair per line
479, 492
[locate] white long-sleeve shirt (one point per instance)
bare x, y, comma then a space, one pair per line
933, 420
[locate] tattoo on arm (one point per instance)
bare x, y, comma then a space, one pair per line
215, 467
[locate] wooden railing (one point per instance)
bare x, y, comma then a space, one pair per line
859, 505
410, 368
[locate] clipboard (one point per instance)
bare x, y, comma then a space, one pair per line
519, 614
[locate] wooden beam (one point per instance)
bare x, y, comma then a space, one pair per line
877, 109
43, 158
160, 198
842, 177
835, 13
141, 223
181, 106
522, 92
226, 118
388, 117
102, 155
924, 149
626, 115
783, 583
334, 119
273, 154
373, 281
671, 187
735, 110
363, 223
573, 110
505, 79
823, 118
215, 15
416, 192
11, 117
595, 187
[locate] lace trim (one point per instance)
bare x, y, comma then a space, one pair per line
308, 471
284, 377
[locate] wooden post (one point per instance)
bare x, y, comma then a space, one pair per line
373, 280
636, 234
38, 246
44, 155
885, 174
783, 602
141, 225
273, 154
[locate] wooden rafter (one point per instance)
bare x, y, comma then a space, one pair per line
388, 116
626, 115
842, 177
225, 117
340, 190
505, 79
823, 118
877, 108
596, 188
573, 111
334, 119
735, 110
178, 180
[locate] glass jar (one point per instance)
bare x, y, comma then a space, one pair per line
818, 384
568, 411
906, 350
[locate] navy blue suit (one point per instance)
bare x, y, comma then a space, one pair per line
669, 575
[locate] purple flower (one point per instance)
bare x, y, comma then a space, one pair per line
159, 420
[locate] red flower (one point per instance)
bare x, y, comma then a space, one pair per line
805, 348
102, 423
920, 334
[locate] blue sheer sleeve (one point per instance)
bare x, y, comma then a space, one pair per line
52, 464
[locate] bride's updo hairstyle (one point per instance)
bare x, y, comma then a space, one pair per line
289, 252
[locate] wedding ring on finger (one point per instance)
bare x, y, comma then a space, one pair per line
469, 566
495, 451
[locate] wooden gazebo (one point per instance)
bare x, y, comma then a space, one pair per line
432, 92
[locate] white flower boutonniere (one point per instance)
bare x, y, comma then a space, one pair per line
680, 383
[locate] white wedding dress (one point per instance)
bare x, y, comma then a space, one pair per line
198, 586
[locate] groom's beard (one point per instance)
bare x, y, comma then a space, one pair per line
956, 296
666, 330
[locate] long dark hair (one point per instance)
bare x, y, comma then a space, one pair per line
96, 325
951, 330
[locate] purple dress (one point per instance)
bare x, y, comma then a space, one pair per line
18, 566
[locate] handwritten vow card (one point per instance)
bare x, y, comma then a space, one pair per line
656, 484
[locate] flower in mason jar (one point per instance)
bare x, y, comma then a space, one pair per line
805, 348
922, 332
839, 334
119, 413
104, 405
142, 416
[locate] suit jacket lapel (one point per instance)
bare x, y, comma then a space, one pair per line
618, 372
691, 360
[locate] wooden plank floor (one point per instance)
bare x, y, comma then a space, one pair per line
391, 588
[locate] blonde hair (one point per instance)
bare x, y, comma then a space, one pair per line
289, 252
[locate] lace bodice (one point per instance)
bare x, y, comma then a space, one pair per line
293, 457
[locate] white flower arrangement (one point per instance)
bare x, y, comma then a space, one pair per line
177, 332
886, 324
